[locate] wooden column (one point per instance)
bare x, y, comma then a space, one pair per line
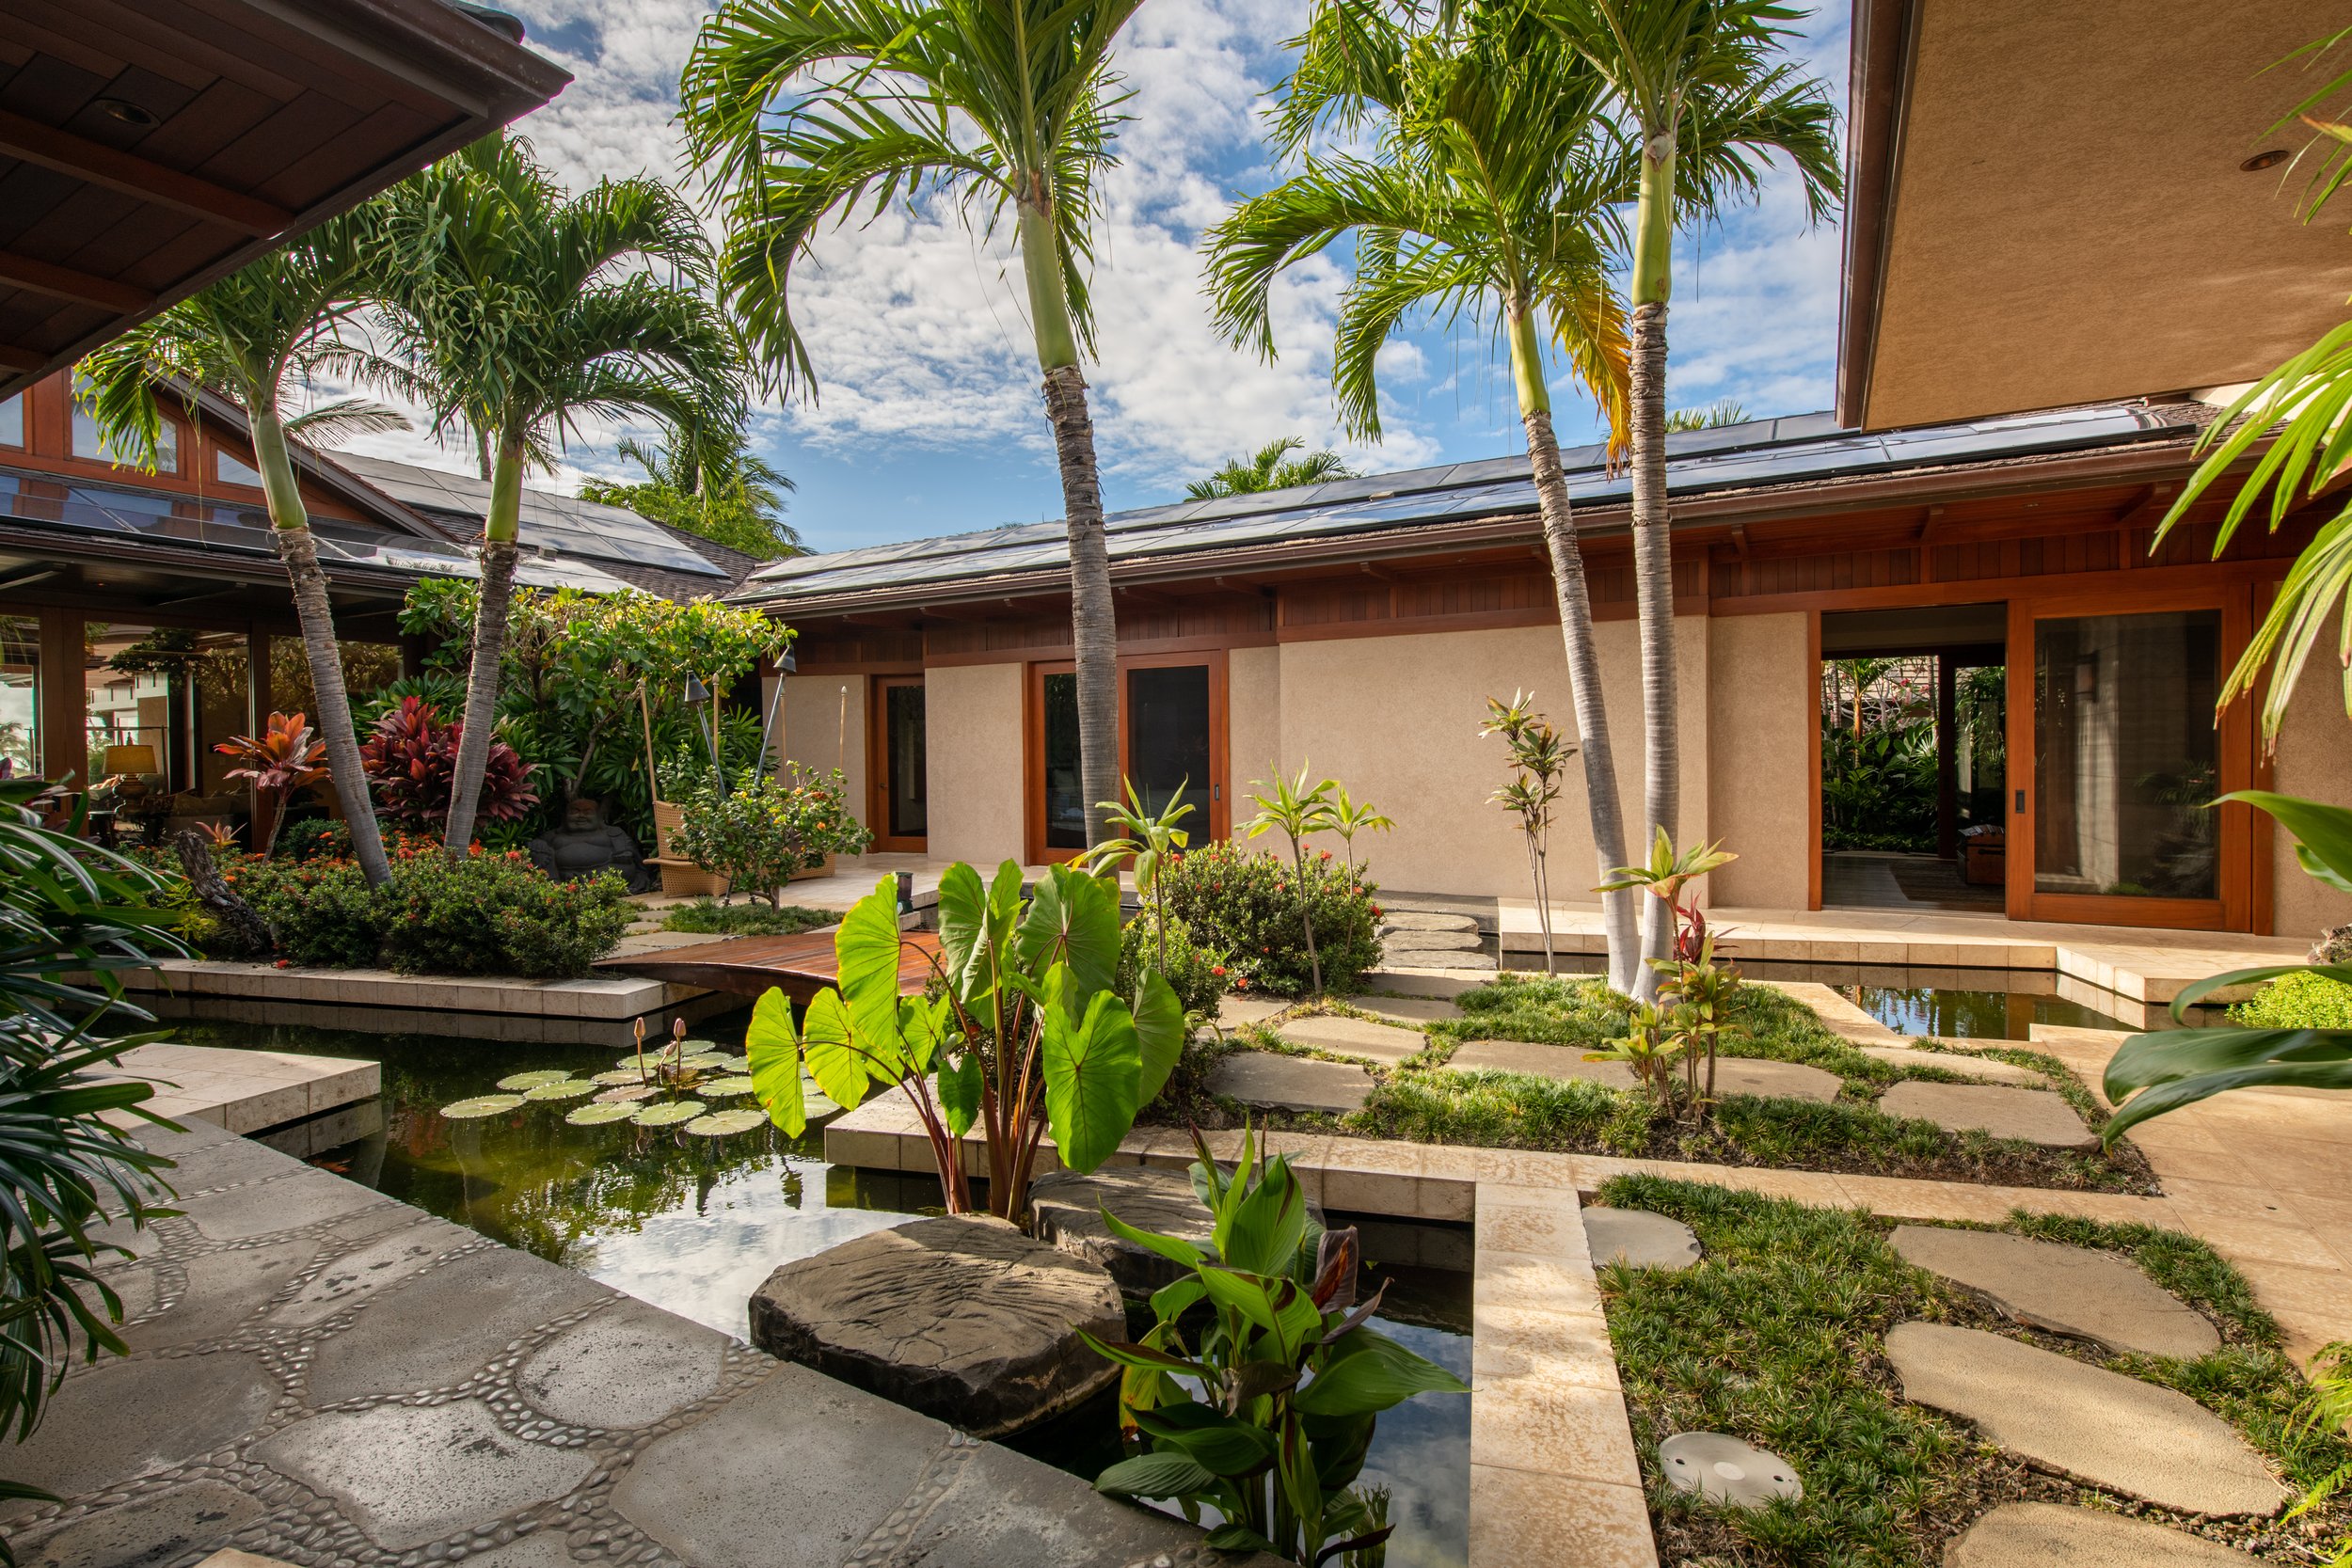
64, 700
1947, 757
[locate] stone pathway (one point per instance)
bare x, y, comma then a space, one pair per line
1732, 1074
1353, 1037
1954, 1061
2053, 1535
1639, 1239
247, 1090
327, 1376
1289, 1082
2072, 1291
2033, 1115
1426, 939
2084, 1421
1407, 1010
1234, 1011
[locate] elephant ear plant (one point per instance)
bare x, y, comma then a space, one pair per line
1020, 1032
1262, 1407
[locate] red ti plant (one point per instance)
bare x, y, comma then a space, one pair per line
1668, 872
412, 760
282, 762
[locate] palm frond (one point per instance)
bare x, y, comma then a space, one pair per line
331, 424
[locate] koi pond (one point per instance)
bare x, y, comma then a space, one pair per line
693, 1223
1956, 1014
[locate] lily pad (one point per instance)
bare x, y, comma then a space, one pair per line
725, 1089
593, 1115
631, 1060
519, 1082
692, 1048
482, 1105
628, 1094
707, 1059
717, 1124
619, 1075
816, 1106
670, 1113
569, 1088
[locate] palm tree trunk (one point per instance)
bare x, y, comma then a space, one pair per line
1653, 550
499, 531
1576, 631
1093, 619
299, 550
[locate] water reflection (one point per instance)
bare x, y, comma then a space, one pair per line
1956, 1014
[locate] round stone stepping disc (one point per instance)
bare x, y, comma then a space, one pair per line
1639, 1239
2084, 1421
2035, 1116
2067, 1289
2053, 1535
1724, 1469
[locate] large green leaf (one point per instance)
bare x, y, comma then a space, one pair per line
1369, 1373
925, 1026
964, 949
1093, 1070
867, 948
2191, 995
1262, 1233
1245, 1293
959, 1092
1159, 1030
774, 1050
1155, 1475
829, 1041
2163, 1057
1220, 1444
2323, 833
1174, 1248
1073, 921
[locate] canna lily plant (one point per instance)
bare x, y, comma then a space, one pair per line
1256, 1390
1020, 1033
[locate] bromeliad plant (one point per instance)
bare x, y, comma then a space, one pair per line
1021, 1032
1262, 1407
2168, 1068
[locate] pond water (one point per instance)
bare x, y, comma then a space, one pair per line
1958, 1014
695, 1224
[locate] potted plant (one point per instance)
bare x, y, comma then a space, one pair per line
764, 832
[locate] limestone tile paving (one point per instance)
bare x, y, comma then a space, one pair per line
2043, 1535
2035, 1116
2072, 1291
1353, 1037
1293, 1083
1407, 1010
321, 1375
1640, 1240
247, 1090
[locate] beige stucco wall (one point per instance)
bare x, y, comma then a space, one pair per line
1396, 720
2314, 760
1254, 722
1759, 728
972, 723
815, 733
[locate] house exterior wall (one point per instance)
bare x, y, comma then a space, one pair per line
2314, 760
814, 732
974, 766
1760, 782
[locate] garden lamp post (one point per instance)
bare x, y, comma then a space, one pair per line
698, 695
785, 665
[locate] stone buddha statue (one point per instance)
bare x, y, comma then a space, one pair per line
587, 844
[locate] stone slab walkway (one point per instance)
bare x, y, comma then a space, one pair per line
243, 1091
323, 1375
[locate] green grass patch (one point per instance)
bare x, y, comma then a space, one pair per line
1778, 1336
710, 917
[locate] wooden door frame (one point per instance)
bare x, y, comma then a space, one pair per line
878, 765
2238, 885
1219, 823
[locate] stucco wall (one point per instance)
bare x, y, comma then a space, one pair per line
1396, 720
1759, 705
2314, 760
972, 722
814, 735
1254, 722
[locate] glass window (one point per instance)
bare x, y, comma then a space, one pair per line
1065, 794
223, 676
1167, 737
2125, 754
20, 696
135, 677
12, 421
904, 765
229, 471
367, 667
87, 444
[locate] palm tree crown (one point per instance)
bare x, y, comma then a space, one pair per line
1271, 468
707, 482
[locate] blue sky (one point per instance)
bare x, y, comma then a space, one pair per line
928, 420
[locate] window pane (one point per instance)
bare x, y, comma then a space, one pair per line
229, 471
1168, 738
87, 443
12, 421
223, 688
135, 677
1065, 796
908, 811
367, 667
2125, 754
20, 696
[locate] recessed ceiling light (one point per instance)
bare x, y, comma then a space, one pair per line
127, 112
2261, 161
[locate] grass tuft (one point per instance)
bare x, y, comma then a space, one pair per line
710, 917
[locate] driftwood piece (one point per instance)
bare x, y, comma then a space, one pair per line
246, 925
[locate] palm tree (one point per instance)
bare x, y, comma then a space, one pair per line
708, 483
1489, 196
520, 311
803, 110
1713, 416
1702, 93
1271, 468
256, 336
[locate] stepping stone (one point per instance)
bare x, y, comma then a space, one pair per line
1066, 1209
2093, 1425
1953, 1061
2033, 1115
1393, 942
1291, 1083
2067, 1289
1639, 1239
1408, 1009
1425, 920
1561, 1062
1439, 985
2053, 1535
1724, 1469
1759, 1075
1354, 1036
1482, 963
962, 1319
1232, 1011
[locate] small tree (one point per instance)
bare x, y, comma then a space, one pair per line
1297, 811
1669, 871
1150, 841
1539, 757
1348, 819
761, 832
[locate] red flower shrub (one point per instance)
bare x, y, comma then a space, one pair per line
412, 761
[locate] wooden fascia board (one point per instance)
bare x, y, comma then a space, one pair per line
1884, 40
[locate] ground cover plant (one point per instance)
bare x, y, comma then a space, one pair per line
1777, 1336
710, 917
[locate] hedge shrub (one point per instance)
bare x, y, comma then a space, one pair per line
1247, 905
